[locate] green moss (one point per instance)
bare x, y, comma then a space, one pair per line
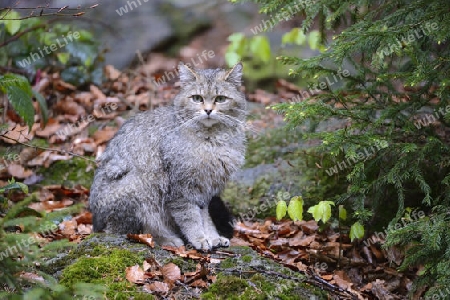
227, 287
106, 267
69, 173
259, 287
228, 263
247, 258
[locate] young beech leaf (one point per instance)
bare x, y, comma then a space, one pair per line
281, 209
356, 231
342, 213
321, 211
295, 208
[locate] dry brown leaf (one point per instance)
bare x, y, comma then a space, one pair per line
157, 287
98, 94
309, 227
85, 229
17, 132
84, 218
146, 239
200, 283
135, 274
69, 107
171, 273
111, 72
50, 206
51, 128
68, 227
17, 171
302, 242
104, 135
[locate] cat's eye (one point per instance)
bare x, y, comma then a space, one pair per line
220, 99
197, 98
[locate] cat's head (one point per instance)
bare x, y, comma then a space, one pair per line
211, 96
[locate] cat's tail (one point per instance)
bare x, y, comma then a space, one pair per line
222, 217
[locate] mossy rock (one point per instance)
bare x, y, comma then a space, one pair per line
102, 259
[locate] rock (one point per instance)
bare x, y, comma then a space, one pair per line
238, 273
126, 27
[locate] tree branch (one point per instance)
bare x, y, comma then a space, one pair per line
46, 149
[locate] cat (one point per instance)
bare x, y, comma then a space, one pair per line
160, 171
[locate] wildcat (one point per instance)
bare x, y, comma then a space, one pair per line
160, 171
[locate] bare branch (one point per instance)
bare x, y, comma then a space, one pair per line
46, 149
57, 11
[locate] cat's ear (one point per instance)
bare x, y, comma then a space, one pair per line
186, 73
234, 75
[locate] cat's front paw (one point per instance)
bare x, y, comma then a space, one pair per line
173, 241
224, 242
203, 244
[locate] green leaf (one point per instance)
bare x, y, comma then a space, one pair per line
295, 208
42, 105
314, 39
356, 231
281, 209
12, 26
232, 58
321, 211
342, 213
14, 186
22, 104
295, 36
260, 47
63, 57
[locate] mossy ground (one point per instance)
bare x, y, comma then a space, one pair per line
106, 267
102, 260
243, 277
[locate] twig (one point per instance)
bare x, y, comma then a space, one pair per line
18, 35
47, 149
42, 14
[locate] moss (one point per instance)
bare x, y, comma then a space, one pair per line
106, 267
247, 258
258, 287
227, 287
228, 263
69, 173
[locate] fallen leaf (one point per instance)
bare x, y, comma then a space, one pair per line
68, 227
84, 218
146, 239
84, 229
135, 274
171, 273
17, 171
51, 128
157, 287
50, 206
104, 135
200, 283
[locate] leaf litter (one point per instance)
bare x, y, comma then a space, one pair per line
82, 122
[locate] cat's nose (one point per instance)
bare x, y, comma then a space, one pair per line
208, 111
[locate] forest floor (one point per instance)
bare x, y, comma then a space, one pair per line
58, 161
